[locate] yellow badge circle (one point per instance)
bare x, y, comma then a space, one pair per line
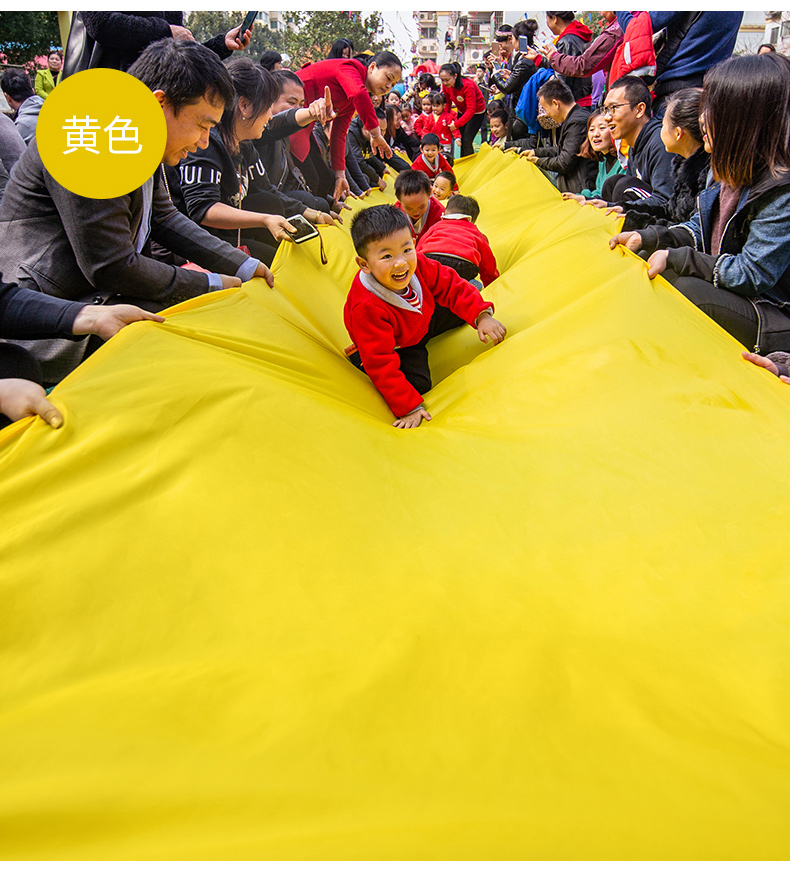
101, 133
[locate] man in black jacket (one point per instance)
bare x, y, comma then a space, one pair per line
574, 39
515, 73
649, 177
574, 173
98, 251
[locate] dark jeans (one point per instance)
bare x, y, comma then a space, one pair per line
468, 133
762, 327
465, 269
414, 359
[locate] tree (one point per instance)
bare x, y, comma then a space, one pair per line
316, 31
26, 35
595, 21
205, 25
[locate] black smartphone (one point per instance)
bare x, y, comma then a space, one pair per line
247, 23
304, 230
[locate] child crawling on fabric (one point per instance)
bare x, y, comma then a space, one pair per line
398, 301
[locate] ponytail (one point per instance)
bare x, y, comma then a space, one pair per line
454, 69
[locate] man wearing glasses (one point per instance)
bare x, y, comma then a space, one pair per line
516, 72
649, 181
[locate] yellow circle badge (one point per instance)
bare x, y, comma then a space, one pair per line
101, 133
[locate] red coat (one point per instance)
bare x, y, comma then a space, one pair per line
420, 124
346, 80
468, 99
442, 165
435, 212
377, 328
635, 54
463, 239
440, 125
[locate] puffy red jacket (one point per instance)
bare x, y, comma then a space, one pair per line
462, 239
636, 55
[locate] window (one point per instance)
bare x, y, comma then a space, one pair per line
785, 28
773, 35
428, 32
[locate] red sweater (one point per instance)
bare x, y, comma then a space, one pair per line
419, 163
440, 125
379, 328
463, 239
346, 80
468, 99
435, 212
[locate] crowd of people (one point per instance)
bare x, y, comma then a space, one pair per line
688, 143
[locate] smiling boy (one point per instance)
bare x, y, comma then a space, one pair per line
398, 301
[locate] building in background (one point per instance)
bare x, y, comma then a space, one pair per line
777, 30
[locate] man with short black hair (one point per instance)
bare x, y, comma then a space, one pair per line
574, 173
98, 251
23, 100
518, 68
649, 179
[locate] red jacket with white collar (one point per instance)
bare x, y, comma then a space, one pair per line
435, 212
442, 164
463, 239
378, 328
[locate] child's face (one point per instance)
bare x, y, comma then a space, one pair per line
427, 106
497, 128
430, 152
405, 114
442, 188
393, 98
438, 108
391, 260
415, 205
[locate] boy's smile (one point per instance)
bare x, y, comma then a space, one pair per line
391, 260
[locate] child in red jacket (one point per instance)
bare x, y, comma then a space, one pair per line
425, 118
440, 123
457, 242
430, 160
398, 301
413, 191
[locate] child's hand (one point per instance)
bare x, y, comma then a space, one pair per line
412, 420
487, 325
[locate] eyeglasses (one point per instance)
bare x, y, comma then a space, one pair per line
610, 109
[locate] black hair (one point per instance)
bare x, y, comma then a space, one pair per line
766, 46
16, 84
338, 47
430, 140
448, 175
269, 58
382, 59
437, 98
744, 108
283, 77
57, 52
463, 203
636, 92
454, 69
412, 182
501, 114
586, 150
494, 105
556, 89
185, 70
255, 84
525, 28
683, 111
390, 93
563, 16
428, 80
376, 223
381, 113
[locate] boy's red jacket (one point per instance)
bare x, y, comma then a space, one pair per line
421, 123
468, 99
419, 163
378, 329
463, 239
435, 212
440, 125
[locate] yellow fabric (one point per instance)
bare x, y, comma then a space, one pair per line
244, 617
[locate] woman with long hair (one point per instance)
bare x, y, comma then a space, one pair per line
598, 146
224, 187
350, 83
465, 95
732, 257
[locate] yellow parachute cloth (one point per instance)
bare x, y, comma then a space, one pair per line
244, 617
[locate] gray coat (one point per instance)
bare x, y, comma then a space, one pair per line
83, 249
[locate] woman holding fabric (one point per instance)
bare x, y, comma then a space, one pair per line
351, 82
467, 97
